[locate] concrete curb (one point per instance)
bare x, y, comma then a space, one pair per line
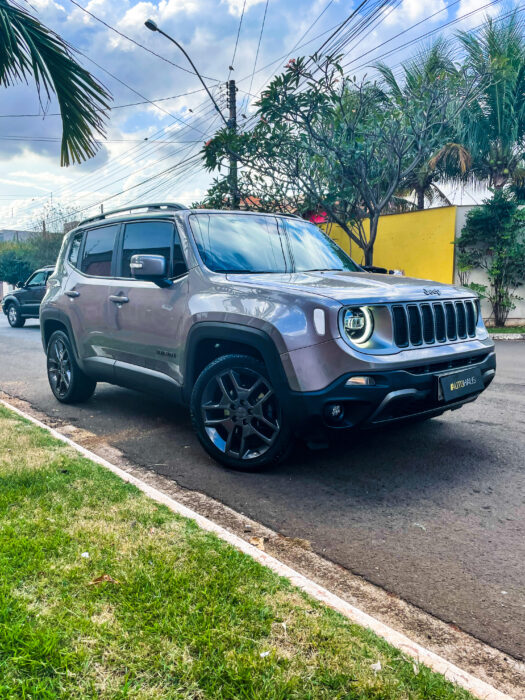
507, 336
453, 673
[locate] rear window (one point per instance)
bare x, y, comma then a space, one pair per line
74, 250
98, 251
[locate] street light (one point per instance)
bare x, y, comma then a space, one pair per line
151, 25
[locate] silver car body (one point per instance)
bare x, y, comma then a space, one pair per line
144, 342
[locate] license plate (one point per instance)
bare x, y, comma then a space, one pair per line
454, 385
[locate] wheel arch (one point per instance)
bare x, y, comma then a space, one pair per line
55, 320
209, 340
8, 300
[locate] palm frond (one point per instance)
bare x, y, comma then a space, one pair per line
28, 48
452, 155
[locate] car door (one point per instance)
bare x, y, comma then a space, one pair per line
147, 319
32, 293
86, 296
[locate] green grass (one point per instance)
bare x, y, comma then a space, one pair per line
507, 329
190, 617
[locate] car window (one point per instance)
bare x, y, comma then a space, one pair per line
150, 238
239, 242
98, 251
179, 264
37, 280
74, 250
312, 249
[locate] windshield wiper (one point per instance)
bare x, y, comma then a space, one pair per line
324, 269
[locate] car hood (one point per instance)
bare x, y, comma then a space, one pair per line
349, 287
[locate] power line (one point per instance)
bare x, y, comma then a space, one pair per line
54, 139
137, 43
421, 36
133, 89
258, 45
101, 109
194, 159
237, 39
70, 189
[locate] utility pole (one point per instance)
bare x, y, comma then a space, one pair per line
232, 126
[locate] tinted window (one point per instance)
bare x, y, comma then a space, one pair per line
239, 243
75, 249
148, 238
98, 251
37, 280
313, 250
179, 264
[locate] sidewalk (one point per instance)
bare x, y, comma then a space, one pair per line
105, 593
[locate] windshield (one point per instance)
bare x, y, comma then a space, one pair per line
252, 243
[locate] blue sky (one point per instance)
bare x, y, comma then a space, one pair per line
30, 175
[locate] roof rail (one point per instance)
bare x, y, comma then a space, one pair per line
156, 206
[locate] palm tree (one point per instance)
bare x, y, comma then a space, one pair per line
494, 124
28, 48
452, 160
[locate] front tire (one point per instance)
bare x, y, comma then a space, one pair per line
237, 414
68, 382
15, 317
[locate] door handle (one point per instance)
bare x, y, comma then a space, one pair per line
118, 299
72, 293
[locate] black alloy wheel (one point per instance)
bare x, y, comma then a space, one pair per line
67, 381
237, 414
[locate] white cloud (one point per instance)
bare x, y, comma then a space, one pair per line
411, 11
466, 7
235, 6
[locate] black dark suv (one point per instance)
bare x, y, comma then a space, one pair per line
25, 301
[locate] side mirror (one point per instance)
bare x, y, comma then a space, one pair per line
19, 285
151, 268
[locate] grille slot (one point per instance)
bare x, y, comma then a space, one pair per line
461, 318
439, 320
471, 318
426, 323
400, 326
414, 324
450, 316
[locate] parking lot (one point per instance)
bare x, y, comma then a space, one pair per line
433, 512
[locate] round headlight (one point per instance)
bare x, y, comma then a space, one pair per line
358, 323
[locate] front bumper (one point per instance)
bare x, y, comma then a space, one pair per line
397, 395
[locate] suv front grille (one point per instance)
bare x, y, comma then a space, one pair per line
424, 323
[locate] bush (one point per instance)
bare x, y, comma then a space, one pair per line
18, 260
493, 240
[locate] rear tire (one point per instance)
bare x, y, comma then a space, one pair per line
68, 382
14, 316
237, 414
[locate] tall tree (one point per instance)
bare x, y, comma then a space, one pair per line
432, 66
28, 48
494, 124
343, 145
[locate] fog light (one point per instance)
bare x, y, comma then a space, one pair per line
334, 412
360, 381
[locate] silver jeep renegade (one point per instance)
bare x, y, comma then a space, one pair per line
262, 324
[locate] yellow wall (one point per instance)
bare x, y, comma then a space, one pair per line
420, 243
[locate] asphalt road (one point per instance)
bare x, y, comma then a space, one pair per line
433, 512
